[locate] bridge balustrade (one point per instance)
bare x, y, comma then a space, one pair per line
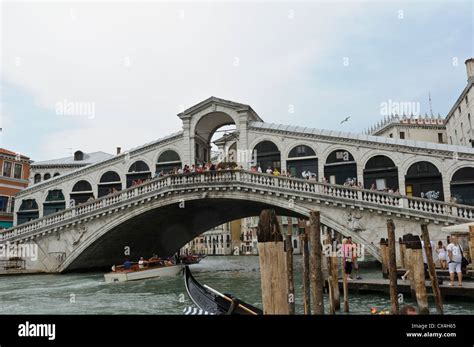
280, 183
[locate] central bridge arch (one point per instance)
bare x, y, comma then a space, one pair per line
163, 226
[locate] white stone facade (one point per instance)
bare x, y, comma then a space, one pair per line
251, 131
459, 122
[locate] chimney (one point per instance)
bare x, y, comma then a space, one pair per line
119, 150
470, 68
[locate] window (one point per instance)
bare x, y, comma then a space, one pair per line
205, 154
3, 203
459, 109
469, 119
402, 135
18, 170
467, 100
7, 169
47, 176
37, 178
390, 135
440, 137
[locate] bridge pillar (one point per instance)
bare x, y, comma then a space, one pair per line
446, 189
187, 140
401, 181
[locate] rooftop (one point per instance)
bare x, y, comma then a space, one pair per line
89, 158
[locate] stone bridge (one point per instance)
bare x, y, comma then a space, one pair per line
162, 214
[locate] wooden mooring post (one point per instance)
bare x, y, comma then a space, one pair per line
406, 241
329, 258
392, 266
316, 270
418, 275
306, 281
432, 269
402, 248
273, 270
335, 276
289, 266
384, 256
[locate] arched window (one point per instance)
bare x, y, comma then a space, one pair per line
301, 151
267, 155
82, 186
28, 211
56, 174
424, 180
168, 161
340, 167
380, 172
37, 178
139, 166
54, 202
47, 176
109, 183
462, 186
82, 192
138, 172
302, 159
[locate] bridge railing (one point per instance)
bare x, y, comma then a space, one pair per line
294, 185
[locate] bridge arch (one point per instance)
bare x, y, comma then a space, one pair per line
424, 179
81, 191
109, 182
28, 211
168, 159
381, 172
301, 157
204, 127
54, 202
462, 185
339, 165
162, 226
138, 170
268, 154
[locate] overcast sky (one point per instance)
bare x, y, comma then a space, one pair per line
138, 64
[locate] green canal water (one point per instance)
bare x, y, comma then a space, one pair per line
87, 293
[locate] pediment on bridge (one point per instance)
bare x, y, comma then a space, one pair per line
213, 103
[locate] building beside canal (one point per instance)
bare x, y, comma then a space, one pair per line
14, 177
420, 128
458, 121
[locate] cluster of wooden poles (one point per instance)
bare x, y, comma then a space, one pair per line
276, 268
411, 259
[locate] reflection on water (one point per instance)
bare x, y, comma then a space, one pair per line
89, 294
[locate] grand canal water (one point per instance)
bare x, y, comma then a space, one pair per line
86, 293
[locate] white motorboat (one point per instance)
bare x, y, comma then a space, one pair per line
136, 273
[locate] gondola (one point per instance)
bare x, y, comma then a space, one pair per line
213, 302
192, 259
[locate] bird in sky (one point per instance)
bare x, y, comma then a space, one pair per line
345, 119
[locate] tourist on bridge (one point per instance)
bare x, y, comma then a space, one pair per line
259, 169
455, 260
276, 172
269, 170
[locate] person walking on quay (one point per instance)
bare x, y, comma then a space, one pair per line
454, 260
442, 255
347, 258
355, 264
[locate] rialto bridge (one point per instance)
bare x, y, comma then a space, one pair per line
87, 217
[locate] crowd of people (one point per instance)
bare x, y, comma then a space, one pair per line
448, 257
